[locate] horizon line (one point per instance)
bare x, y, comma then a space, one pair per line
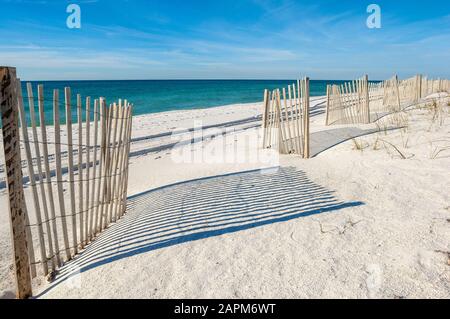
205, 79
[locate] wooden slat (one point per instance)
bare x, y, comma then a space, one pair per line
344, 99
265, 111
397, 91
306, 118
287, 123
80, 169
112, 162
357, 102
367, 99
333, 104
327, 109
88, 219
271, 119
417, 88
73, 211
62, 207
124, 158
127, 159
356, 105
347, 104
294, 122
364, 100
100, 191
279, 121
341, 105
358, 87
95, 180
106, 169
109, 159
341, 100
117, 162
298, 111
338, 103
9, 90
99, 168
118, 175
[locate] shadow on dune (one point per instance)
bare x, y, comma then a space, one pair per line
203, 208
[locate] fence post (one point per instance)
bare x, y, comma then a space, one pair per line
306, 119
17, 206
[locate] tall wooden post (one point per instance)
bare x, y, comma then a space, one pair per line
306, 119
17, 207
366, 88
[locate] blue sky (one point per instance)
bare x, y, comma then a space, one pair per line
244, 39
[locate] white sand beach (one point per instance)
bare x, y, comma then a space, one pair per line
368, 218
232, 150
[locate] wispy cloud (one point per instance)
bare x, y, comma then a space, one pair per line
236, 39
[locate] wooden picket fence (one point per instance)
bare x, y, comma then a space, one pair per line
286, 119
349, 102
391, 95
409, 90
78, 174
360, 102
430, 86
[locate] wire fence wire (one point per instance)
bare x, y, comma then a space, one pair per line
91, 149
73, 105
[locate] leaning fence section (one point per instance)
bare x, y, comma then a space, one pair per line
349, 102
361, 101
286, 119
77, 169
409, 91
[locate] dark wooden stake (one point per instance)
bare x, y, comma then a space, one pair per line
17, 207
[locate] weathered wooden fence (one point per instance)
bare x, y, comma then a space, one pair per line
349, 102
78, 173
360, 101
286, 119
430, 86
409, 91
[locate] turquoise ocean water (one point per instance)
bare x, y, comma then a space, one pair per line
152, 96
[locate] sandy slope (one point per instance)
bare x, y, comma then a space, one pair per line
348, 224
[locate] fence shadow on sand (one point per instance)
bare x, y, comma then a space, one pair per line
202, 208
